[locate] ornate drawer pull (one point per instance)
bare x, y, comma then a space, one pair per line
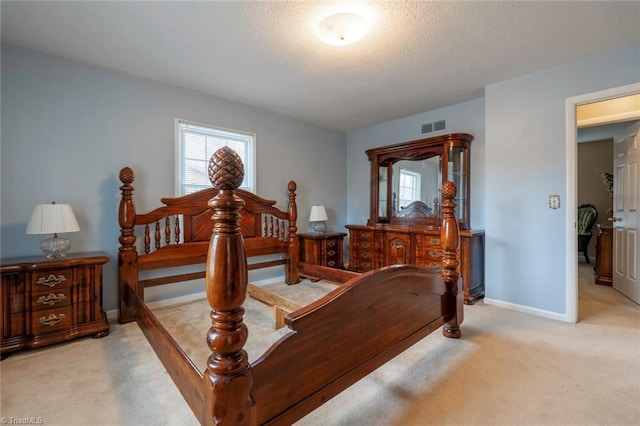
364, 255
331, 252
365, 236
365, 245
435, 241
434, 253
331, 243
366, 265
52, 319
51, 299
331, 263
52, 280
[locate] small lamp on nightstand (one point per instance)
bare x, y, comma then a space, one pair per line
53, 219
318, 218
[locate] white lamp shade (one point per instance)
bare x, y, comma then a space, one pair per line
52, 219
318, 213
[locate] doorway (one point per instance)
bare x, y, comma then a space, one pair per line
571, 279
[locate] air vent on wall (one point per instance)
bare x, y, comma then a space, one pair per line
436, 126
427, 128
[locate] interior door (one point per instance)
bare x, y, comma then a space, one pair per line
626, 216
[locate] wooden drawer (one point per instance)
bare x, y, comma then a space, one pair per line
50, 320
43, 281
49, 299
362, 255
362, 236
428, 250
322, 249
333, 253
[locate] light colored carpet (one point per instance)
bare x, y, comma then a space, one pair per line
509, 368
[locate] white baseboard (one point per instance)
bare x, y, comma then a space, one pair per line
527, 309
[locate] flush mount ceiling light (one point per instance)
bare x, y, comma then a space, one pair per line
341, 29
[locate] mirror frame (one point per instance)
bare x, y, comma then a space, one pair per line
386, 156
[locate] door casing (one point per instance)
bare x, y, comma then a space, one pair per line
571, 266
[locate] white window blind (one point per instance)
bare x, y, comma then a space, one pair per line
196, 143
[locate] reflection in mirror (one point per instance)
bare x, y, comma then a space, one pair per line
416, 188
382, 198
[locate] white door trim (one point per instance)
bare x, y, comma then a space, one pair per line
571, 267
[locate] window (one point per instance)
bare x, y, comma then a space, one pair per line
409, 187
195, 143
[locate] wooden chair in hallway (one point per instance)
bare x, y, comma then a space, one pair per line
587, 217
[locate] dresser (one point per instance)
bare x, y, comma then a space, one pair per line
373, 247
324, 249
51, 301
602, 270
405, 212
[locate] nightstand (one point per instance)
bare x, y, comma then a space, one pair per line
322, 249
51, 301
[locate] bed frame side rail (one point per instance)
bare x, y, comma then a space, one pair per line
181, 369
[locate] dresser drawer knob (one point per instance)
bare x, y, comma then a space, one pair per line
365, 236
331, 243
331, 252
51, 299
435, 241
52, 319
365, 245
331, 263
51, 280
435, 254
364, 255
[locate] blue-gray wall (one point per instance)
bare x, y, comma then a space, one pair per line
68, 129
466, 117
526, 161
518, 159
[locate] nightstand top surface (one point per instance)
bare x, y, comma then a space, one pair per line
39, 262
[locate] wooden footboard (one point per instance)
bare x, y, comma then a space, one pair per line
344, 336
335, 341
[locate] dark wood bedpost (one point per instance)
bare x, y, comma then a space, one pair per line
291, 272
450, 236
127, 264
227, 379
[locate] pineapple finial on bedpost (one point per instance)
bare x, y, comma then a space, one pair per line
227, 379
450, 236
291, 272
127, 251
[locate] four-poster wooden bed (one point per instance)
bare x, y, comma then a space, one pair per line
334, 342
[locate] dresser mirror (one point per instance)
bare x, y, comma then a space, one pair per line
404, 226
406, 180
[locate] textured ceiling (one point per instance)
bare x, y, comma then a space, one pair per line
418, 56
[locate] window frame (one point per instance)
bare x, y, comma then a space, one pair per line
250, 168
415, 189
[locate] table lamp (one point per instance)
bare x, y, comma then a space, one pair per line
318, 218
53, 219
